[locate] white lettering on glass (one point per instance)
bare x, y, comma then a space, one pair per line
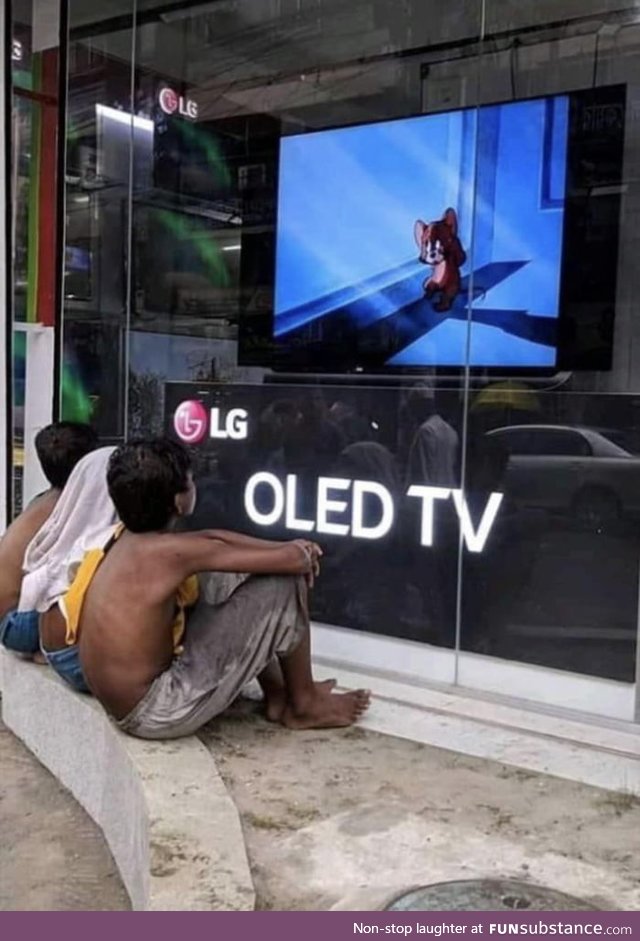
283, 503
382, 527
292, 521
326, 506
476, 540
264, 479
428, 495
236, 424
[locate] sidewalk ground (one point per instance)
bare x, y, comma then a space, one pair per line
346, 819
340, 819
52, 856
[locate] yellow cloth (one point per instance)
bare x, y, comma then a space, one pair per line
186, 597
73, 600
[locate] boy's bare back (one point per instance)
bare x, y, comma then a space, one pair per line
125, 634
14, 543
125, 629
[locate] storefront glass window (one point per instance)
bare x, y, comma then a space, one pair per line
373, 263
559, 585
101, 134
34, 141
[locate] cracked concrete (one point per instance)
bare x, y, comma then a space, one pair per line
351, 819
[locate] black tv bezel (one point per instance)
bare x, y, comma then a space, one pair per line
284, 360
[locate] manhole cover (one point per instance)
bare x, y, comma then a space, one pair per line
487, 895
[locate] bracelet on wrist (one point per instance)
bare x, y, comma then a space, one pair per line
306, 553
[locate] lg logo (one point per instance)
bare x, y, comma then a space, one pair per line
168, 100
190, 423
172, 103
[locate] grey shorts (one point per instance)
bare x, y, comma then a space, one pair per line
238, 626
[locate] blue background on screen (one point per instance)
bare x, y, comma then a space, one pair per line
349, 198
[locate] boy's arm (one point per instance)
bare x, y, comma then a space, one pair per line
199, 552
242, 541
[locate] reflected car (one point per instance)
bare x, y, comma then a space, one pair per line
569, 469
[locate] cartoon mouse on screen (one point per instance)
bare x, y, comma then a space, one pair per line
440, 247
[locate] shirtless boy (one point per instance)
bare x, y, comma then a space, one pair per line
126, 612
59, 448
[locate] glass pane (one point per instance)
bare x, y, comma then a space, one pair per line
387, 244
103, 134
292, 174
556, 432
34, 142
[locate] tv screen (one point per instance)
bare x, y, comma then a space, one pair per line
424, 241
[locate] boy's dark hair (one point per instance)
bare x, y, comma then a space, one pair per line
60, 446
144, 477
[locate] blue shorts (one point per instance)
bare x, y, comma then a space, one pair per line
66, 663
19, 631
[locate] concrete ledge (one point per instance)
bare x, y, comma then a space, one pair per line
166, 815
599, 753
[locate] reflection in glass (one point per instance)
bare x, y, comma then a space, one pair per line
265, 223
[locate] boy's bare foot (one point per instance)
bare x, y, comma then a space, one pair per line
276, 700
40, 658
327, 710
274, 704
